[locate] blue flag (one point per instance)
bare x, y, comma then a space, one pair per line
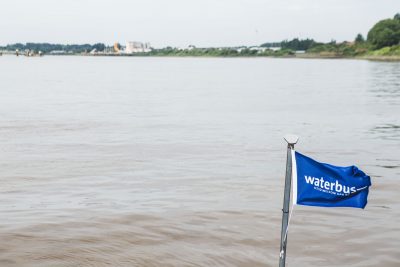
325, 185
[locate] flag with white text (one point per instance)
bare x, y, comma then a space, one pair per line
325, 185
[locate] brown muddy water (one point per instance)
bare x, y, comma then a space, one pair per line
180, 161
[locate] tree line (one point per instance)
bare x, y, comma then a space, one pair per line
383, 34
47, 47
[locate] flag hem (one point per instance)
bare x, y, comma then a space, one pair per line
294, 178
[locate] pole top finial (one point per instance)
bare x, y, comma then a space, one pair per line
291, 139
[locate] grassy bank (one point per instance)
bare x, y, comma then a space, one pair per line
351, 50
219, 52
391, 53
386, 51
328, 51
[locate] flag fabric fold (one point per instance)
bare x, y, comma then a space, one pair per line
325, 185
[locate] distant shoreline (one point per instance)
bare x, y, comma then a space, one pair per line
390, 58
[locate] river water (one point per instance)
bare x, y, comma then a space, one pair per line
109, 161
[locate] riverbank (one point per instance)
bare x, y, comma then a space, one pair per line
335, 56
381, 58
299, 56
323, 55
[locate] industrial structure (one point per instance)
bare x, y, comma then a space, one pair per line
137, 47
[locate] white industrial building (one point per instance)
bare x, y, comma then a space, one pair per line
137, 47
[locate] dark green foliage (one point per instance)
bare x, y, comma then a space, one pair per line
247, 51
298, 45
359, 38
99, 47
169, 51
344, 49
385, 33
217, 52
295, 44
47, 48
269, 45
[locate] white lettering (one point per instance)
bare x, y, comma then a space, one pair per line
330, 187
338, 187
327, 185
309, 179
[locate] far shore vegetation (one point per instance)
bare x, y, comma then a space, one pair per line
381, 42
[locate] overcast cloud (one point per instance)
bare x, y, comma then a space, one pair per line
184, 22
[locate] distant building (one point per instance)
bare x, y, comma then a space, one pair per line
258, 49
276, 48
137, 47
58, 52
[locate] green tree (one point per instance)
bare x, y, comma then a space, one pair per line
397, 16
385, 33
99, 46
359, 38
297, 44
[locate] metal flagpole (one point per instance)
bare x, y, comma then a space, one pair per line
291, 141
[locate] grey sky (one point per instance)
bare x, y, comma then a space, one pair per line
184, 22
